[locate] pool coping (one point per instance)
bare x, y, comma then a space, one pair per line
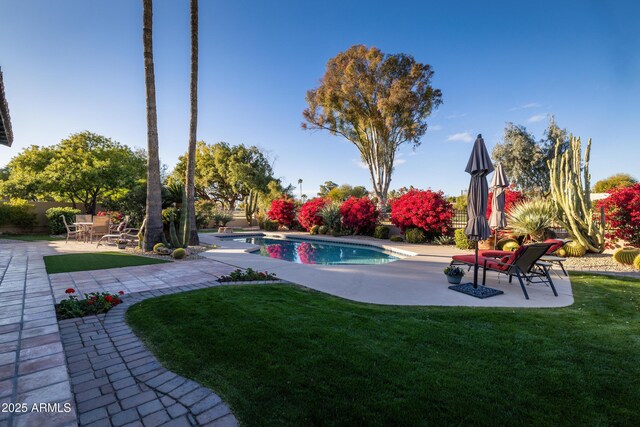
344, 241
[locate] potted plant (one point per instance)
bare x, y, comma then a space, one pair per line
122, 243
454, 274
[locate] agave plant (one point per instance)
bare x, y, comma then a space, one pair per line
331, 217
531, 218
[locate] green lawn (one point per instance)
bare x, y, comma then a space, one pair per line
95, 261
284, 355
30, 237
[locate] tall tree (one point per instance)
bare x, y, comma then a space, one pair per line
84, 168
226, 173
377, 102
614, 181
153, 229
193, 128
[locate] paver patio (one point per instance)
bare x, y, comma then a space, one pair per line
32, 360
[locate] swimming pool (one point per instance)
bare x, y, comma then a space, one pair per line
308, 252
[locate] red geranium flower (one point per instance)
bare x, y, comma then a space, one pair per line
108, 298
70, 291
121, 292
90, 302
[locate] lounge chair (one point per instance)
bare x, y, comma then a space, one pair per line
524, 264
72, 230
547, 257
116, 231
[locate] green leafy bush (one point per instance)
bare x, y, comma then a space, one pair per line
462, 241
93, 303
179, 253
249, 275
270, 225
17, 212
396, 239
381, 232
636, 262
205, 211
444, 240
415, 235
324, 229
222, 217
314, 229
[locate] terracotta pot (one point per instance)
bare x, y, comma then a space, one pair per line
488, 244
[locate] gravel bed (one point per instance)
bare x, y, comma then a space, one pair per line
597, 262
192, 251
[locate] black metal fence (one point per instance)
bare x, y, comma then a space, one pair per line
459, 218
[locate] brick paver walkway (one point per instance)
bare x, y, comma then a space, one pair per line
116, 381
32, 363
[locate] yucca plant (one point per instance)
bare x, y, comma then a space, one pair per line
531, 218
331, 217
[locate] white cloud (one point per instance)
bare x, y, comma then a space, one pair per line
434, 127
455, 116
461, 136
526, 106
399, 162
536, 118
359, 163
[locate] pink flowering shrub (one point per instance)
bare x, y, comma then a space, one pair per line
424, 209
359, 215
309, 213
283, 211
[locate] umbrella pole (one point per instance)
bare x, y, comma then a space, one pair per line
475, 269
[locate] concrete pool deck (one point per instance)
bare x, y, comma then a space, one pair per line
413, 280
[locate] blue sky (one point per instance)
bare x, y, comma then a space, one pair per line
75, 65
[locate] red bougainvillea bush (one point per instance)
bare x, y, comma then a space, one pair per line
359, 215
511, 197
622, 214
308, 215
283, 211
424, 209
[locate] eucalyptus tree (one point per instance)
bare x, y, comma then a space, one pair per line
377, 102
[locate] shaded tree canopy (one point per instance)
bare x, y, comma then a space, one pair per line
614, 181
326, 187
525, 160
85, 167
377, 102
345, 191
226, 173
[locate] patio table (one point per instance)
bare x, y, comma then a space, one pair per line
552, 259
84, 227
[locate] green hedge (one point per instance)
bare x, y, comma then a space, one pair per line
462, 241
18, 213
415, 235
381, 232
56, 226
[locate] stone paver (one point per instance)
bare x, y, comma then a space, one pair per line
125, 382
81, 382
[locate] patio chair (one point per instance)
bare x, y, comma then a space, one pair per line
83, 218
72, 230
524, 264
132, 233
100, 227
116, 232
547, 257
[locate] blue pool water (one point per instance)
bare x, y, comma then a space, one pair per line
307, 252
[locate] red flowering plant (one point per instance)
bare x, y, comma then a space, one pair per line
309, 212
424, 209
93, 303
359, 215
622, 215
511, 197
114, 215
283, 211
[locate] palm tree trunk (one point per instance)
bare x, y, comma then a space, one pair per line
193, 128
153, 229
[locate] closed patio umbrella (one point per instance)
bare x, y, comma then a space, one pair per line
499, 184
479, 166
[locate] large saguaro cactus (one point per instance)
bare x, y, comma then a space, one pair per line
570, 190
